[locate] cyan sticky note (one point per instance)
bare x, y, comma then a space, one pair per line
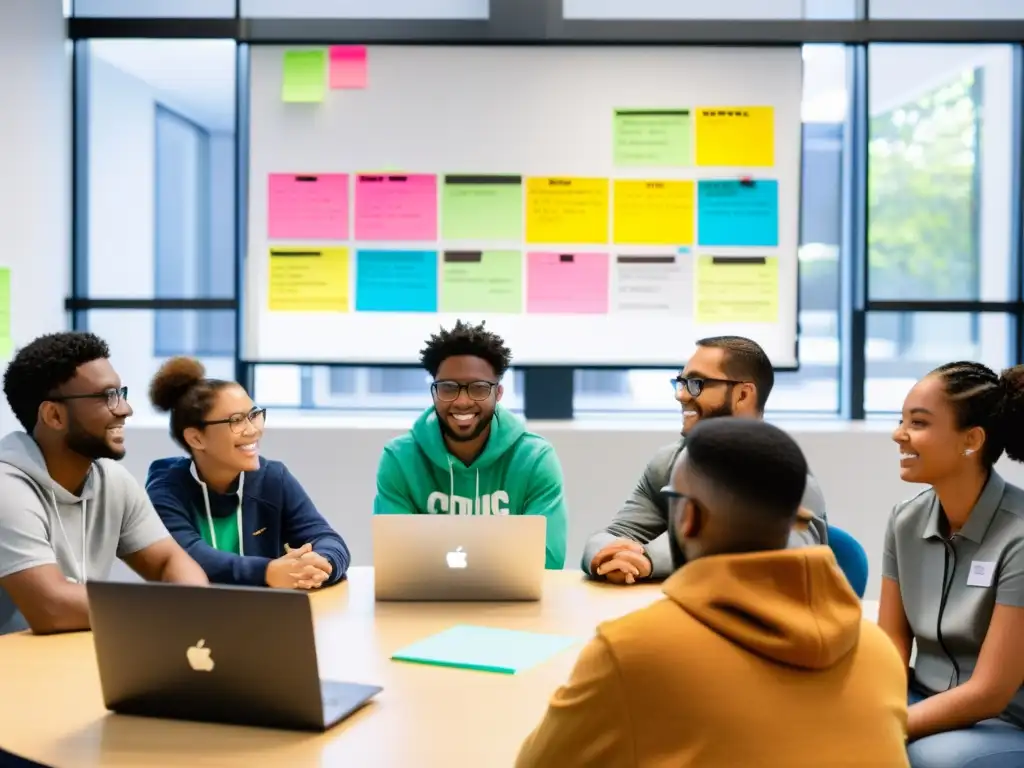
487, 649
396, 281
734, 213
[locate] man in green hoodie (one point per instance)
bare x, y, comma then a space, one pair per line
468, 455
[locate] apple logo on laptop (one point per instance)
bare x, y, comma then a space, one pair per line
199, 657
456, 559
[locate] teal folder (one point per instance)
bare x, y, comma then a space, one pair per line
485, 648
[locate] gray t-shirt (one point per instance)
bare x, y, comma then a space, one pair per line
43, 524
950, 586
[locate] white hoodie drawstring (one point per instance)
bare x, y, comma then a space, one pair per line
81, 568
209, 513
451, 491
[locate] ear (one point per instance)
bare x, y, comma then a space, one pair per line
194, 439
974, 439
746, 396
693, 521
52, 415
498, 392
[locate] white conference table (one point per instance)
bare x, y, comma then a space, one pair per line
426, 716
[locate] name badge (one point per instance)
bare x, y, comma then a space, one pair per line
981, 574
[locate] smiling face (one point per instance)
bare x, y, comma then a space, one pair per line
932, 446
92, 428
718, 395
229, 440
469, 414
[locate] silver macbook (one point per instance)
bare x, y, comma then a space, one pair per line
459, 557
239, 655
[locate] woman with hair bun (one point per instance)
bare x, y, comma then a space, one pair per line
244, 519
953, 569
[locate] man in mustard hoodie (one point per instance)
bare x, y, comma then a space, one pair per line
757, 658
466, 454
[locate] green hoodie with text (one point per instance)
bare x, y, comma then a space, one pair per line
516, 474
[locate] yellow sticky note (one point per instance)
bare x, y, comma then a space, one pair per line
304, 76
305, 279
566, 210
648, 212
737, 289
736, 136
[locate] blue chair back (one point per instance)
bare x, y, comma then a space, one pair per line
851, 558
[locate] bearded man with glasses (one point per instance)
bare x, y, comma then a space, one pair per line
468, 455
67, 508
725, 376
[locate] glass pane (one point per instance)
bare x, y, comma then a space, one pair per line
155, 8
137, 348
904, 346
699, 9
939, 184
947, 9
396, 389
159, 158
367, 9
815, 387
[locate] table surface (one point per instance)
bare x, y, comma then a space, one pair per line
53, 709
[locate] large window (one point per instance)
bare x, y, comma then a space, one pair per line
939, 209
157, 158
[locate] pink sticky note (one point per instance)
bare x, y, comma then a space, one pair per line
348, 66
311, 207
396, 207
559, 283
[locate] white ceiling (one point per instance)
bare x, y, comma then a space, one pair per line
197, 77
194, 77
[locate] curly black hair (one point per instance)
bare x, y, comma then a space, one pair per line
980, 398
44, 365
466, 339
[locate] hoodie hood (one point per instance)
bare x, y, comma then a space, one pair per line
20, 451
792, 607
506, 430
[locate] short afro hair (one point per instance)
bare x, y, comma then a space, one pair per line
466, 339
45, 364
754, 463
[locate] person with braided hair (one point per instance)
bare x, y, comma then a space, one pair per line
953, 569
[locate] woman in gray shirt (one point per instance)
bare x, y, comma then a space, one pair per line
953, 569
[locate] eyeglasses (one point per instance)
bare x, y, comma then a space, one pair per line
695, 385
449, 391
113, 396
237, 422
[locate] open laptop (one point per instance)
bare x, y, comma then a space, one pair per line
240, 655
459, 557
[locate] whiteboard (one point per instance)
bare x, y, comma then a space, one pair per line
428, 116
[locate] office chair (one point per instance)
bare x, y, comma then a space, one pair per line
851, 557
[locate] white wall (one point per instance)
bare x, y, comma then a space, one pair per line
35, 193
336, 461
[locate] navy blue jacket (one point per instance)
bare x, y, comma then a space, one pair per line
275, 511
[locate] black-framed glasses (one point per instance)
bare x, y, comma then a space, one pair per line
449, 391
237, 421
113, 397
695, 385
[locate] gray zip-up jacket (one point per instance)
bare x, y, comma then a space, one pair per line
644, 516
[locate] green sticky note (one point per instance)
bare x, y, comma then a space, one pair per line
653, 138
304, 79
482, 281
482, 208
487, 649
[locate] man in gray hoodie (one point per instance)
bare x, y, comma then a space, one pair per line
67, 509
725, 376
